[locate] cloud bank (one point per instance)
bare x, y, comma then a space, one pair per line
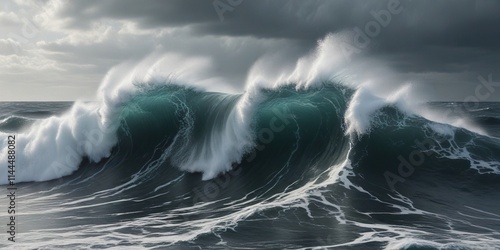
60, 50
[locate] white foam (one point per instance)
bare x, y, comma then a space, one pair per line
54, 147
219, 150
451, 149
360, 111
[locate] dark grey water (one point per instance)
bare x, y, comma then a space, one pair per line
309, 186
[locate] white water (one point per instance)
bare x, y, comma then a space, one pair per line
55, 147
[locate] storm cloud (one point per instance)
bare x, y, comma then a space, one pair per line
442, 44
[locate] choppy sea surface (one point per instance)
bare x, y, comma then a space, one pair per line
178, 168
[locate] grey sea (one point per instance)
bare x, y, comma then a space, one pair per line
157, 177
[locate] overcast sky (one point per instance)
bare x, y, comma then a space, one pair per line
61, 50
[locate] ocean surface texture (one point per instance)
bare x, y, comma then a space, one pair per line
174, 167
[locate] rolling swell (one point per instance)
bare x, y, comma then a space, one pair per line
403, 148
440, 173
13, 123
